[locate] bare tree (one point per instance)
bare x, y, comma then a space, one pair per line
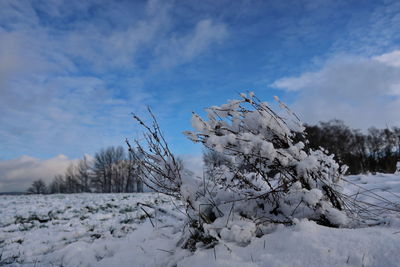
38, 187
83, 175
57, 185
113, 172
71, 180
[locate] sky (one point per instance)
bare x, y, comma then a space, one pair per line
72, 72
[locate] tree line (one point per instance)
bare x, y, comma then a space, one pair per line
376, 150
112, 170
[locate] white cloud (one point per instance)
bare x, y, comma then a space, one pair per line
116, 47
363, 92
295, 83
66, 72
182, 49
18, 174
392, 58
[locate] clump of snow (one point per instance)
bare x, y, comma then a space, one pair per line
240, 232
267, 175
313, 196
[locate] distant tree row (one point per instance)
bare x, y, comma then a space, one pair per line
114, 171
376, 150
111, 171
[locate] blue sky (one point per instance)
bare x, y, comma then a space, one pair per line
71, 72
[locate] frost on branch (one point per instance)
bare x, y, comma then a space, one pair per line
160, 169
267, 176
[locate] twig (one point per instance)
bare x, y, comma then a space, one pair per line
148, 215
168, 251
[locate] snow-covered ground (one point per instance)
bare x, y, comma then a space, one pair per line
115, 230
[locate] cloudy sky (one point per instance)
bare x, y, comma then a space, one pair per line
72, 71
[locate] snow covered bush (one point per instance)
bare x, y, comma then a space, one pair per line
266, 177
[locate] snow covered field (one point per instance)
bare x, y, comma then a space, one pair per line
115, 230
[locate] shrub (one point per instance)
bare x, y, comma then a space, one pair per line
266, 176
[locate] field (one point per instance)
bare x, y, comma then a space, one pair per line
145, 230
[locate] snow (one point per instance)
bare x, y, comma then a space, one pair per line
87, 229
307, 244
115, 230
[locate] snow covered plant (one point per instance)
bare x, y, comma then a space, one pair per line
266, 177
